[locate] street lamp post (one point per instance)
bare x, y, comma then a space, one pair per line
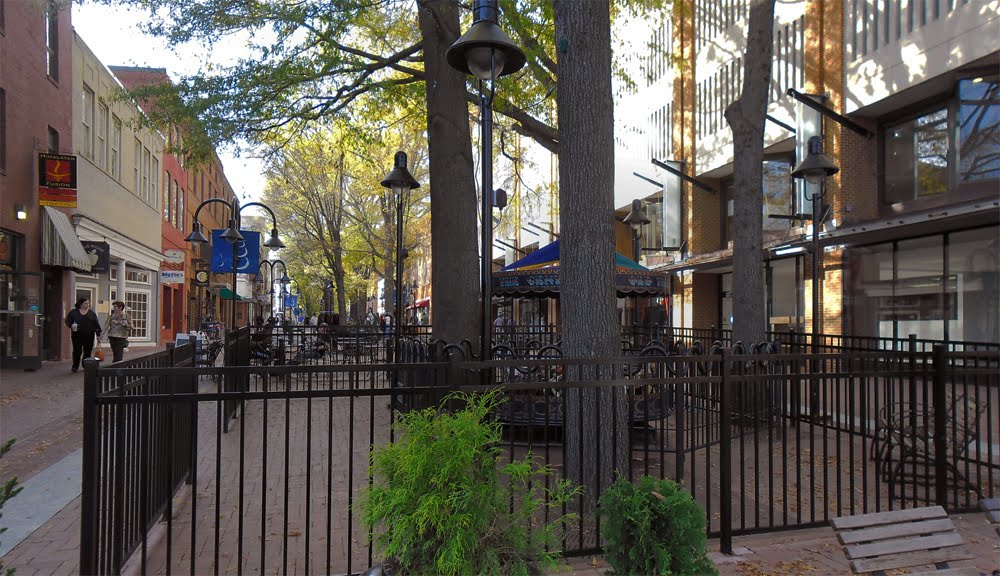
401, 182
233, 236
486, 52
270, 276
636, 219
815, 168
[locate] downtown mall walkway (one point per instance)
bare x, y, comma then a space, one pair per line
43, 410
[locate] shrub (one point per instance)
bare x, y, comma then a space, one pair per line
653, 528
8, 490
446, 505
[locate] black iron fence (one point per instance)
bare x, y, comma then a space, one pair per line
138, 453
764, 441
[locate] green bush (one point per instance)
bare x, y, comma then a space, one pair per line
442, 503
8, 490
653, 528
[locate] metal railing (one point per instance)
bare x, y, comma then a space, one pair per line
890, 430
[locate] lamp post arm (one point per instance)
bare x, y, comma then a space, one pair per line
274, 221
206, 203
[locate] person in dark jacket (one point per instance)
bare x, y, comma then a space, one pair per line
83, 323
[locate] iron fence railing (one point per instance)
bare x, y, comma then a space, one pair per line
138, 453
764, 441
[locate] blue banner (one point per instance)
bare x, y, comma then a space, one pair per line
291, 301
247, 253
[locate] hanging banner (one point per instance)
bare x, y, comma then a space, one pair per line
291, 300
100, 255
57, 180
247, 253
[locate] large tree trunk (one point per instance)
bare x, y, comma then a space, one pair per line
746, 119
455, 261
596, 427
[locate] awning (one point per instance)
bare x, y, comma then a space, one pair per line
60, 245
227, 294
422, 303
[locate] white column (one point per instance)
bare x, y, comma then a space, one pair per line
120, 288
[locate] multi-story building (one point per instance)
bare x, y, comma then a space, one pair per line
37, 245
119, 196
176, 268
908, 100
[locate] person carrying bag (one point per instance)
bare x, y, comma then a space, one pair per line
84, 326
119, 328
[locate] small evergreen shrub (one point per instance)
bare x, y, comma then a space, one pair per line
654, 527
442, 502
8, 490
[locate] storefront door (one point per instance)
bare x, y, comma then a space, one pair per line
21, 320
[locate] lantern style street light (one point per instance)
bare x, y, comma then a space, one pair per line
232, 235
270, 277
636, 219
401, 182
815, 168
486, 52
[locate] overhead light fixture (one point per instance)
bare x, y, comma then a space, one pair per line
788, 250
21, 211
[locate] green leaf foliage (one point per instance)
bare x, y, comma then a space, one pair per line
8, 490
442, 502
654, 527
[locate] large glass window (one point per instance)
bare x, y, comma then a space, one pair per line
785, 295
952, 147
979, 129
869, 272
918, 297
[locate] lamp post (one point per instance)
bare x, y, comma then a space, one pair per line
815, 168
636, 219
232, 235
486, 52
283, 280
327, 297
401, 182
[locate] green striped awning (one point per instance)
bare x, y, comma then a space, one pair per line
60, 245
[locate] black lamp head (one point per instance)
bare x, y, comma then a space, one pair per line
196, 237
816, 166
232, 234
399, 177
637, 217
485, 51
274, 243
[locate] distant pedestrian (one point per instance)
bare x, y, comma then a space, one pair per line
83, 323
119, 328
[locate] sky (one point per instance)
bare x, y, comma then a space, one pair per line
113, 34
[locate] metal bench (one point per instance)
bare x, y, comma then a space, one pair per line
992, 508
910, 538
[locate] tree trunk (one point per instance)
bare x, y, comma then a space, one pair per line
746, 119
455, 257
596, 427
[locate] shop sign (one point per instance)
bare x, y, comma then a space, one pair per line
99, 254
171, 276
57, 180
201, 278
173, 256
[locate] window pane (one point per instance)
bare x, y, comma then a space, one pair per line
979, 129
869, 273
917, 292
974, 262
785, 296
137, 304
916, 158
102, 136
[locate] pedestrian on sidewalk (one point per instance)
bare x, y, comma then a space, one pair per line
119, 328
83, 323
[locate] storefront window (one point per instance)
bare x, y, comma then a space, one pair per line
785, 304
870, 276
918, 298
916, 158
974, 262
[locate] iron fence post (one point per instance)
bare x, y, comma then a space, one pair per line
725, 460
940, 428
88, 493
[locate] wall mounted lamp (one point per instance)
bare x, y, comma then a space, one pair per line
20, 211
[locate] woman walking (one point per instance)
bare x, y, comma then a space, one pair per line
83, 323
119, 328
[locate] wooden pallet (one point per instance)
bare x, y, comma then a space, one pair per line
903, 539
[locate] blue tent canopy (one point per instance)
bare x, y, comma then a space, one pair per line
537, 274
